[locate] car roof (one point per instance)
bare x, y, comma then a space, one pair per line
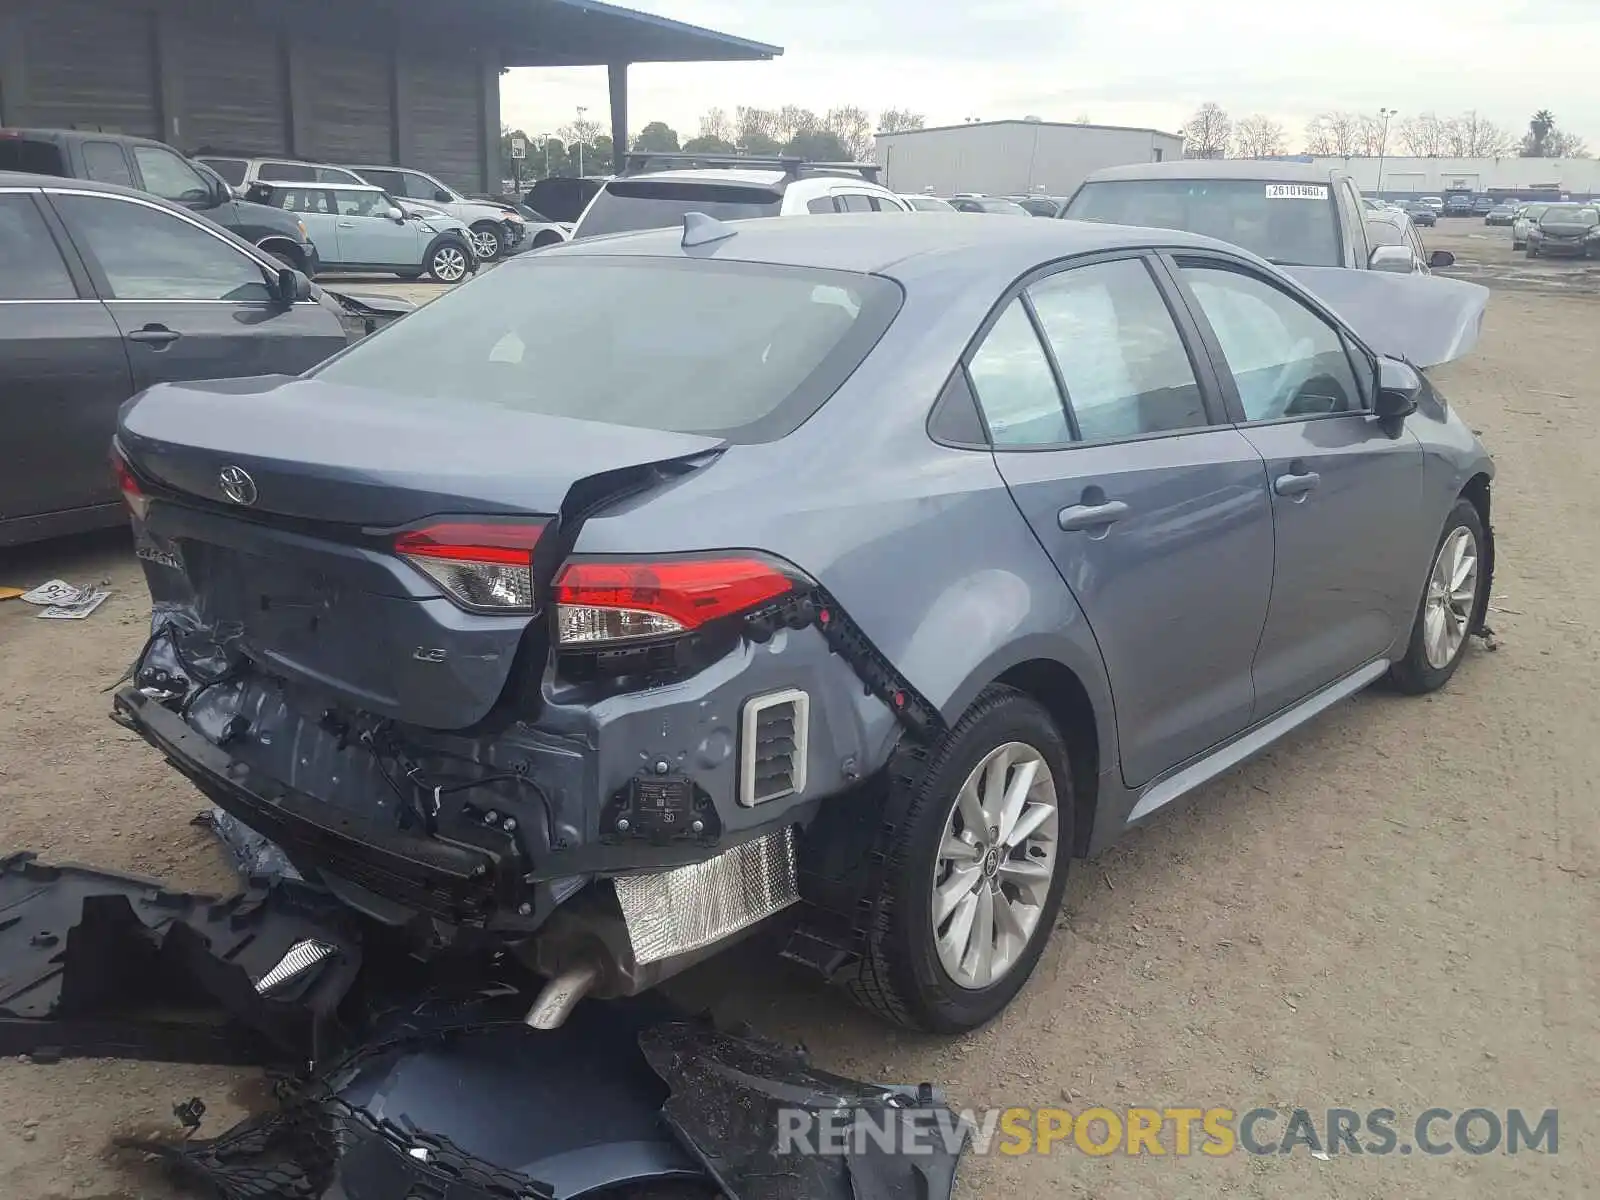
68, 135
1273, 170
24, 179
332, 185
899, 244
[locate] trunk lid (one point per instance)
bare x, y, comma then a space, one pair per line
274, 508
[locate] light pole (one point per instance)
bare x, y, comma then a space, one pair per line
1386, 115
579, 131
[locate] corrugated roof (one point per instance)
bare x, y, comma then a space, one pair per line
578, 33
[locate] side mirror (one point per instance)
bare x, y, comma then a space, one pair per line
394, 214
1399, 385
293, 287
1397, 260
1441, 258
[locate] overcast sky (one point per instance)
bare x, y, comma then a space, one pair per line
1118, 62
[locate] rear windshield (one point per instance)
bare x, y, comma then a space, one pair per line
736, 350
38, 158
1289, 223
629, 204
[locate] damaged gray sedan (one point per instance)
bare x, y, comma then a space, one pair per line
870, 566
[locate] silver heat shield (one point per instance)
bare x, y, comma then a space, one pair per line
673, 912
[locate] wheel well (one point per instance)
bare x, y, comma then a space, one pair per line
487, 223
1065, 699
280, 245
546, 237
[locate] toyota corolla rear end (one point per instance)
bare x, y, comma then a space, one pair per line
377, 640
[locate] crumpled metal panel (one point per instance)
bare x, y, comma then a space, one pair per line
673, 912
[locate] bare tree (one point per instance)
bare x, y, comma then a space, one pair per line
1422, 135
1567, 145
581, 132
790, 121
715, 124
754, 125
1258, 136
853, 127
1370, 136
1081, 119
895, 120
1471, 136
1207, 133
1334, 133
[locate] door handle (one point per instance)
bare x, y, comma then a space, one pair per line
1296, 484
1091, 516
158, 336
347, 224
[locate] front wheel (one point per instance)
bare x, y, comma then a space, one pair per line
486, 240
976, 867
447, 263
1451, 605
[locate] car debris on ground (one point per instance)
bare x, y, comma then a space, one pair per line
408, 1080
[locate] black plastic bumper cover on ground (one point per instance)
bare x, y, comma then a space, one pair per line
426, 1089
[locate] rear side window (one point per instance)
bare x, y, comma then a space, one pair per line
389, 181
857, 202
1123, 364
737, 350
104, 162
36, 158
30, 265
232, 170
625, 205
282, 172
1015, 386
820, 205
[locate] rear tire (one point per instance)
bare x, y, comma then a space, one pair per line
1452, 602
907, 972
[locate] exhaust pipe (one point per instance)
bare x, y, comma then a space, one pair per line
560, 996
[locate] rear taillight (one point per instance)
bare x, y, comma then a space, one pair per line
479, 564
599, 603
128, 484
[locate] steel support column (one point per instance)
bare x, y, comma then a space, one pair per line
617, 77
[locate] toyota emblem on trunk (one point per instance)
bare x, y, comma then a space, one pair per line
237, 485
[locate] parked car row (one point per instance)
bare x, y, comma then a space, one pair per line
497, 229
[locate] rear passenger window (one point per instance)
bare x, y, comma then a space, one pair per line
856, 202
822, 204
104, 162
1123, 364
30, 265
1015, 386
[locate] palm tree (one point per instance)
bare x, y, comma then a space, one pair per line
1537, 143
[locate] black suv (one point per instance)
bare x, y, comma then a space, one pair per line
158, 169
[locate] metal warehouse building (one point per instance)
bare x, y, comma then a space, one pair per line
1014, 157
404, 81
1511, 175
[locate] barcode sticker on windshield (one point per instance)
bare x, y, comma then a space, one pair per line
1297, 191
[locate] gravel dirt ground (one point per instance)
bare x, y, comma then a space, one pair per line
1395, 908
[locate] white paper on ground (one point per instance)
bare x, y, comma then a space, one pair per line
78, 609
57, 591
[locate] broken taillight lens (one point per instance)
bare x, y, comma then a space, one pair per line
599, 602
128, 484
486, 565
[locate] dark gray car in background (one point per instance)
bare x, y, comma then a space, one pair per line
105, 291
636, 591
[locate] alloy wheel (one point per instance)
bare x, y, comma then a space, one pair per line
1452, 591
486, 243
995, 865
449, 264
